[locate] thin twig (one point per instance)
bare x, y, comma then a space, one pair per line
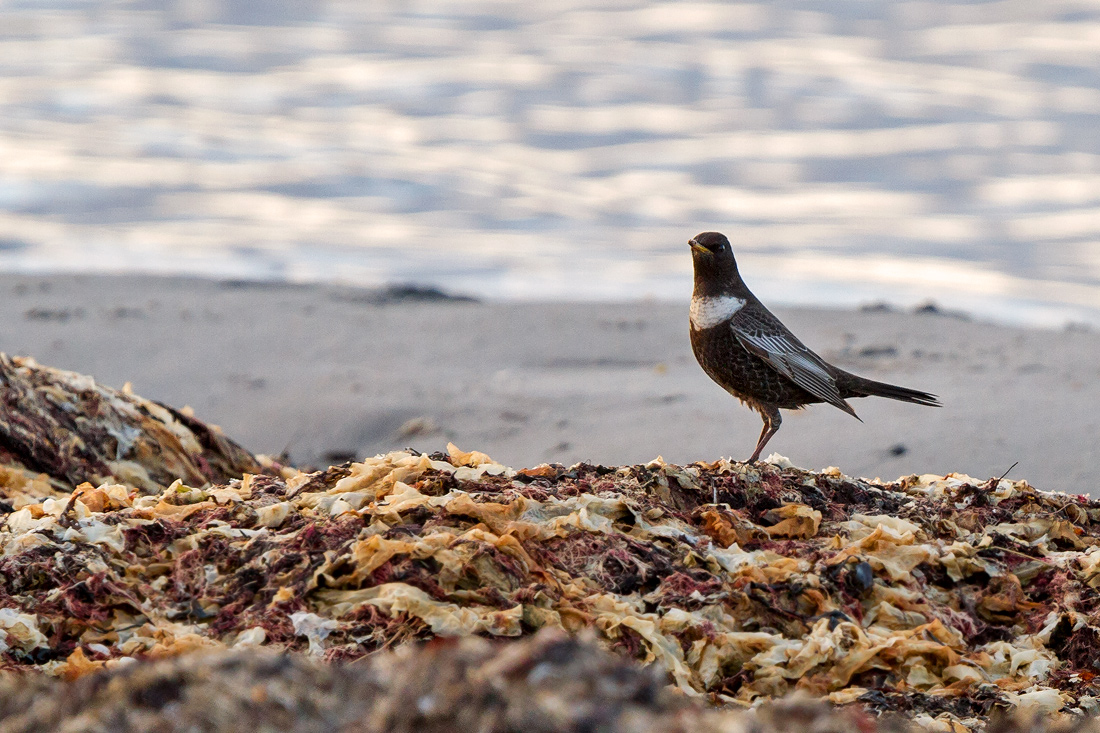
1017, 463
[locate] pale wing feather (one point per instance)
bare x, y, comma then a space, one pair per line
788, 356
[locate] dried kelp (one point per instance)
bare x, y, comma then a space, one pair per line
939, 597
944, 599
548, 683
70, 429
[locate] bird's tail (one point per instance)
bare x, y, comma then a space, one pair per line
869, 388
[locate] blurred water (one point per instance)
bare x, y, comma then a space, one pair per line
854, 150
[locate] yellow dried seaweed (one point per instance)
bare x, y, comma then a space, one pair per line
793, 520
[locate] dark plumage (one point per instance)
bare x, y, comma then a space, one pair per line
750, 354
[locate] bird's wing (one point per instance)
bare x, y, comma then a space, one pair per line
770, 340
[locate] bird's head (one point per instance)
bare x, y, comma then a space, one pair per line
710, 244
712, 256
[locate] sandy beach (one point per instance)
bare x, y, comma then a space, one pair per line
328, 373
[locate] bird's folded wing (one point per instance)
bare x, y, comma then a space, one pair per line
788, 356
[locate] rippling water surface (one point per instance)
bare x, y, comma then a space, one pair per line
854, 150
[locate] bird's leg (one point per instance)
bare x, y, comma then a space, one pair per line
772, 421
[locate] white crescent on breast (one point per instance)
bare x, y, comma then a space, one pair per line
708, 311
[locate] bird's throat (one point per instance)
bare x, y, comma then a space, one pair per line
708, 311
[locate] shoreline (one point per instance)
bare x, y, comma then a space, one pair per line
782, 292
331, 372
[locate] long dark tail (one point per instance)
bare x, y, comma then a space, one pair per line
861, 387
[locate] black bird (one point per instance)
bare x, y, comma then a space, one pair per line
751, 355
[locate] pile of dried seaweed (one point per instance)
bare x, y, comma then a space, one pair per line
59, 429
941, 598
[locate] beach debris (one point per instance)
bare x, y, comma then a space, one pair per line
945, 599
938, 597
417, 426
59, 429
547, 682
401, 293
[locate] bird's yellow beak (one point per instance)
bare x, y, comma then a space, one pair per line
698, 247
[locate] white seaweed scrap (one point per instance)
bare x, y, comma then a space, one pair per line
20, 630
315, 628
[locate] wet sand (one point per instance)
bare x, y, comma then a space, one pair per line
326, 373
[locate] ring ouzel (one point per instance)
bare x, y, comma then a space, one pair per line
752, 355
